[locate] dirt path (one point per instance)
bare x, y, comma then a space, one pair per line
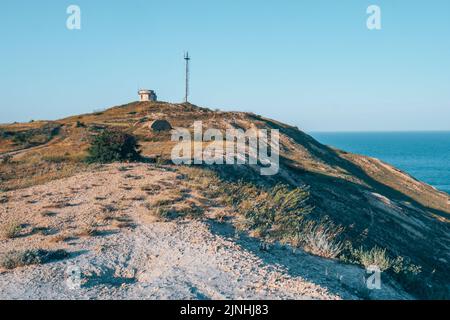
161, 261
39, 147
185, 259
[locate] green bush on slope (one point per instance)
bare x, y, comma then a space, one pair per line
111, 146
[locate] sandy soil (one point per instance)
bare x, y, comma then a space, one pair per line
133, 255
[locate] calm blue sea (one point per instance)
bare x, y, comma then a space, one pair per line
424, 155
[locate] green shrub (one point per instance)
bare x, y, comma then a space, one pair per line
111, 146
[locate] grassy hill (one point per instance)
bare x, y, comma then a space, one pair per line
372, 211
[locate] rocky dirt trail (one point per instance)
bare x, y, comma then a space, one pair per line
133, 255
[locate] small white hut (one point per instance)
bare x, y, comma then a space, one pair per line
147, 95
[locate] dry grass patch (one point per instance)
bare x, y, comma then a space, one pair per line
189, 209
109, 208
31, 172
61, 238
124, 223
277, 213
162, 213
89, 230
123, 169
106, 217
320, 239
374, 257
221, 216
164, 202
4, 199
138, 198
11, 230
132, 177
169, 197
151, 189
15, 259
148, 206
45, 231
48, 213
60, 205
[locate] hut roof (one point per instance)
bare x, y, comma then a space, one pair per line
160, 125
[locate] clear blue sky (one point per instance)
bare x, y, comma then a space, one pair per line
310, 63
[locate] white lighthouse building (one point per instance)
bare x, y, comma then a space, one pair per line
147, 95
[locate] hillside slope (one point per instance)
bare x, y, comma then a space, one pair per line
136, 255
377, 204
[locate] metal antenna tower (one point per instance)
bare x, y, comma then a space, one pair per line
187, 58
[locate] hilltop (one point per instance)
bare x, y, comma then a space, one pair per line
374, 204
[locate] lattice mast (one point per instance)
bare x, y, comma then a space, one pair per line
187, 59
